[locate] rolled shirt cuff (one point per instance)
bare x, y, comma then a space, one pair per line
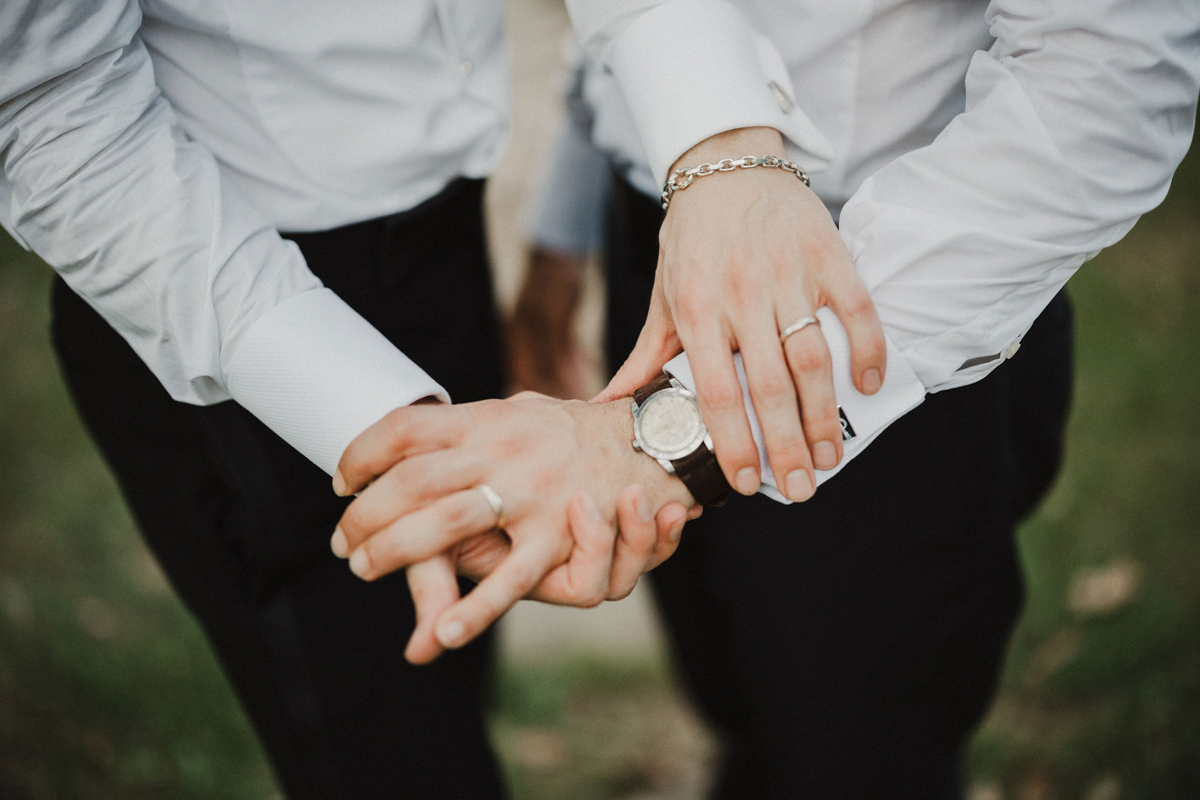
863, 417
318, 374
690, 69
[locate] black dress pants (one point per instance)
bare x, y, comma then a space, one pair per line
847, 647
241, 523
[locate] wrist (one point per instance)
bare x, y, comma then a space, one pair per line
616, 430
733, 144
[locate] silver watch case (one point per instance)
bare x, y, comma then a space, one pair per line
663, 456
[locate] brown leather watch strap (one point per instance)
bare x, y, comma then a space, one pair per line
698, 470
657, 385
703, 477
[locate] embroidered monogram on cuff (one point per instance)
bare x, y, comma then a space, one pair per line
682, 178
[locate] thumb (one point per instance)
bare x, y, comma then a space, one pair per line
657, 344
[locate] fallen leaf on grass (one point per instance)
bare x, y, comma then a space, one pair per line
1102, 590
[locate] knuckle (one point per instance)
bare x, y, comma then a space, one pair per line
807, 357
548, 481
822, 423
490, 410
524, 578
458, 513
859, 304
827, 429
723, 396
397, 424
745, 290
692, 308
353, 522
776, 389
388, 549
791, 450
820, 249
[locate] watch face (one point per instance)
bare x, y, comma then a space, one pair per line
670, 425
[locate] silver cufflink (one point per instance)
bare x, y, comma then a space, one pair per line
781, 97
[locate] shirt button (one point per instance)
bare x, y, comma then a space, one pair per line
466, 67
1012, 349
781, 97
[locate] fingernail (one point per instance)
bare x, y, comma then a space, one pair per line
589, 508
824, 455
339, 483
799, 486
360, 562
676, 531
872, 381
451, 633
338, 544
643, 507
747, 480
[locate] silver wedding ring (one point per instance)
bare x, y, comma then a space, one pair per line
495, 502
797, 326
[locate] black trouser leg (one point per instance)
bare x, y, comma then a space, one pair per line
847, 647
241, 523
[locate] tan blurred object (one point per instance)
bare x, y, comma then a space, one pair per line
538, 30
1107, 788
985, 791
545, 354
1102, 590
533, 632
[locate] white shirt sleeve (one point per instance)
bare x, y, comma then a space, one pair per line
863, 417
1075, 122
98, 178
690, 69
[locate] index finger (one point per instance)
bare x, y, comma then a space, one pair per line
515, 578
402, 432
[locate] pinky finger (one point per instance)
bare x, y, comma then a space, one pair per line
434, 588
670, 521
583, 580
635, 543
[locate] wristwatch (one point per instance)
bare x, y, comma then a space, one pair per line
668, 427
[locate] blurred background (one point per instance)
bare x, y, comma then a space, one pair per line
107, 689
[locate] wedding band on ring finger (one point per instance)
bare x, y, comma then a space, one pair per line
796, 327
496, 503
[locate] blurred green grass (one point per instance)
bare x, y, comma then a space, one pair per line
107, 689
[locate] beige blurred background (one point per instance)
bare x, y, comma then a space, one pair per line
108, 690
541, 40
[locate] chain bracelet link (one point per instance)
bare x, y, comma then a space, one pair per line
682, 178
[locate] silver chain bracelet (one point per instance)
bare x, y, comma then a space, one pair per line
682, 178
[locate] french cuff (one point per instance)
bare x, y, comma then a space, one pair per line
863, 417
318, 374
690, 69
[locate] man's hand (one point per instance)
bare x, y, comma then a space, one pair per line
743, 255
553, 464
544, 353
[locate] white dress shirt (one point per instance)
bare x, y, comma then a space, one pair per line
150, 153
977, 153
